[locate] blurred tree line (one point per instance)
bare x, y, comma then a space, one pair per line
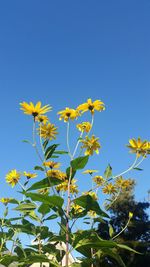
136, 235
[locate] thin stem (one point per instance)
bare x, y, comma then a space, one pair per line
140, 161
67, 219
34, 142
68, 146
122, 229
92, 122
115, 198
129, 169
77, 145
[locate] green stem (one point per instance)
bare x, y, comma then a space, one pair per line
68, 146
34, 142
122, 229
129, 169
77, 145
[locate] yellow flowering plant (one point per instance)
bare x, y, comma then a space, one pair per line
56, 198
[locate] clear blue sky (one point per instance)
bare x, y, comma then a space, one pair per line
63, 52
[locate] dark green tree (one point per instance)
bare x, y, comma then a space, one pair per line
136, 235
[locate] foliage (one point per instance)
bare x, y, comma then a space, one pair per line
136, 235
51, 196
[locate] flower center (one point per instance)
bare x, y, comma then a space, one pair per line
34, 114
68, 114
91, 107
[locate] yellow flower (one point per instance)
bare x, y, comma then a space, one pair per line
89, 172
34, 110
120, 182
130, 215
51, 164
138, 146
99, 180
53, 173
48, 131
42, 119
30, 175
147, 147
91, 106
57, 174
84, 126
64, 187
68, 113
76, 208
109, 189
91, 145
5, 201
13, 177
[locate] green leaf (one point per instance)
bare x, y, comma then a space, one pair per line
114, 255
79, 163
138, 169
60, 152
96, 244
128, 248
73, 172
44, 209
8, 259
45, 143
27, 141
108, 171
54, 200
25, 207
111, 230
88, 203
38, 168
46, 182
51, 217
50, 150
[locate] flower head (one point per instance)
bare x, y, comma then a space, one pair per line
130, 215
91, 145
99, 180
30, 175
89, 172
76, 208
64, 187
34, 110
42, 119
5, 200
48, 131
91, 106
68, 113
84, 126
123, 183
13, 177
139, 147
109, 189
51, 164
57, 174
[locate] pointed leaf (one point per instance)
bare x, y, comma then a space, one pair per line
88, 203
108, 171
54, 200
79, 163
50, 150
38, 168
46, 182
